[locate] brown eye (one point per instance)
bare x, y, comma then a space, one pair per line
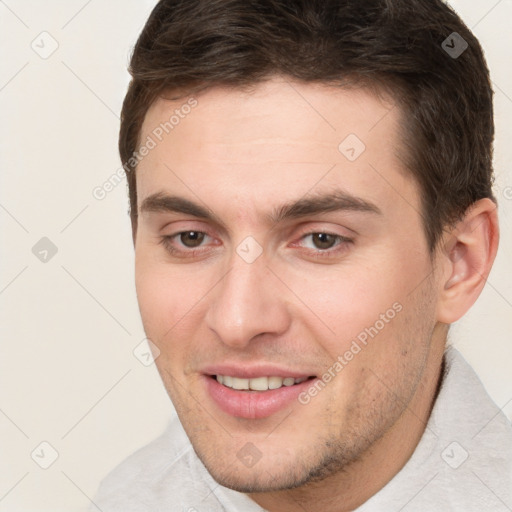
192, 238
323, 240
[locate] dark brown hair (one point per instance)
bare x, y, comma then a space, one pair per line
403, 47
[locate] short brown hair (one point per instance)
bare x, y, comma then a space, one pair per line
400, 46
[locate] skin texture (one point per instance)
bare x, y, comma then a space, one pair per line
242, 156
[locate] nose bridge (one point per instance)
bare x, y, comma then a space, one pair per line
246, 303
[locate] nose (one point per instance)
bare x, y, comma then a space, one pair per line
246, 303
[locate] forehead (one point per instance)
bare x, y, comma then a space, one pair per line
272, 111
274, 143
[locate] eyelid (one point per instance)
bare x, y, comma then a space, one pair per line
179, 233
211, 241
176, 235
310, 228
182, 225
325, 226
340, 238
332, 254
179, 251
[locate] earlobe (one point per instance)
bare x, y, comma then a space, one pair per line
469, 252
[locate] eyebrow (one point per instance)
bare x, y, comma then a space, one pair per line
306, 206
323, 203
162, 203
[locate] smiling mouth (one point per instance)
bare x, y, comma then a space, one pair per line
258, 383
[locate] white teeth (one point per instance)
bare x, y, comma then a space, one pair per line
258, 383
240, 383
275, 382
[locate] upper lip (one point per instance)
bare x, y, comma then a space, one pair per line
246, 371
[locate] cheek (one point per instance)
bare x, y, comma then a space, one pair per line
364, 301
171, 299
155, 297
163, 296
347, 300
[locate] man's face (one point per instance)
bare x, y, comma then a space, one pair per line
264, 249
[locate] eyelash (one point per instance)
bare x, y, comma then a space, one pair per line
167, 240
339, 246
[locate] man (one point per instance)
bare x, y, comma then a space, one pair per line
310, 189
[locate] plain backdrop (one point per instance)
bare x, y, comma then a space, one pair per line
69, 326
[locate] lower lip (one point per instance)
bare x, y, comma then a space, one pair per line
254, 404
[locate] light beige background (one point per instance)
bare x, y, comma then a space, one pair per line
69, 326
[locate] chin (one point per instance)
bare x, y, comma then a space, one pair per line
258, 479
271, 474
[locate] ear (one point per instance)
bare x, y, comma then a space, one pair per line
465, 259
